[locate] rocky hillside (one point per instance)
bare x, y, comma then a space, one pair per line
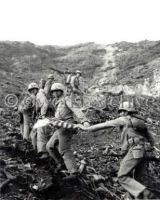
131, 67
21, 63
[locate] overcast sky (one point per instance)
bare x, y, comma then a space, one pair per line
67, 22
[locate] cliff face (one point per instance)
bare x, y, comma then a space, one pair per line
131, 67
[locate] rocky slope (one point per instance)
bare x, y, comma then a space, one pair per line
131, 67
24, 176
21, 63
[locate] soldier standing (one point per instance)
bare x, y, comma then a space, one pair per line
63, 111
41, 135
27, 108
75, 90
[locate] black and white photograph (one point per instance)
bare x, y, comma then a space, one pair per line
79, 99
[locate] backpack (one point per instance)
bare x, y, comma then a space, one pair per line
25, 103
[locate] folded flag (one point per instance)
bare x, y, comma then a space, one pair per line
55, 122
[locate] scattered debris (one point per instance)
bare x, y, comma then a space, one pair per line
27, 177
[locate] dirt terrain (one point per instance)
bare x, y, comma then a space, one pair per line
30, 178
108, 72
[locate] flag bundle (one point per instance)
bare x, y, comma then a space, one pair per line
55, 122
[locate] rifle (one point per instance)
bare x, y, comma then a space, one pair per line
57, 70
61, 72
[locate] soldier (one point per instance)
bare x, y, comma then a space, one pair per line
27, 108
49, 84
63, 111
42, 83
75, 86
134, 136
41, 135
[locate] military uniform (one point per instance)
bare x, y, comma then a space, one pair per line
47, 87
75, 89
27, 108
41, 103
63, 137
134, 135
42, 83
41, 135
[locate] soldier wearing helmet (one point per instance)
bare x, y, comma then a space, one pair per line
44, 109
127, 106
65, 112
51, 76
27, 109
32, 87
75, 90
134, 135
78, 72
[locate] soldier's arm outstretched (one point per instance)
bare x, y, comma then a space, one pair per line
112, 123
77, 112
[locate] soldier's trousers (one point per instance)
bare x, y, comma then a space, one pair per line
129, 166
26, 126
59, 146
42, 139
39, 138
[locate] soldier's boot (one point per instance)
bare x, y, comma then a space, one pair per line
146, 195
60, 166
44, 156
70, 162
